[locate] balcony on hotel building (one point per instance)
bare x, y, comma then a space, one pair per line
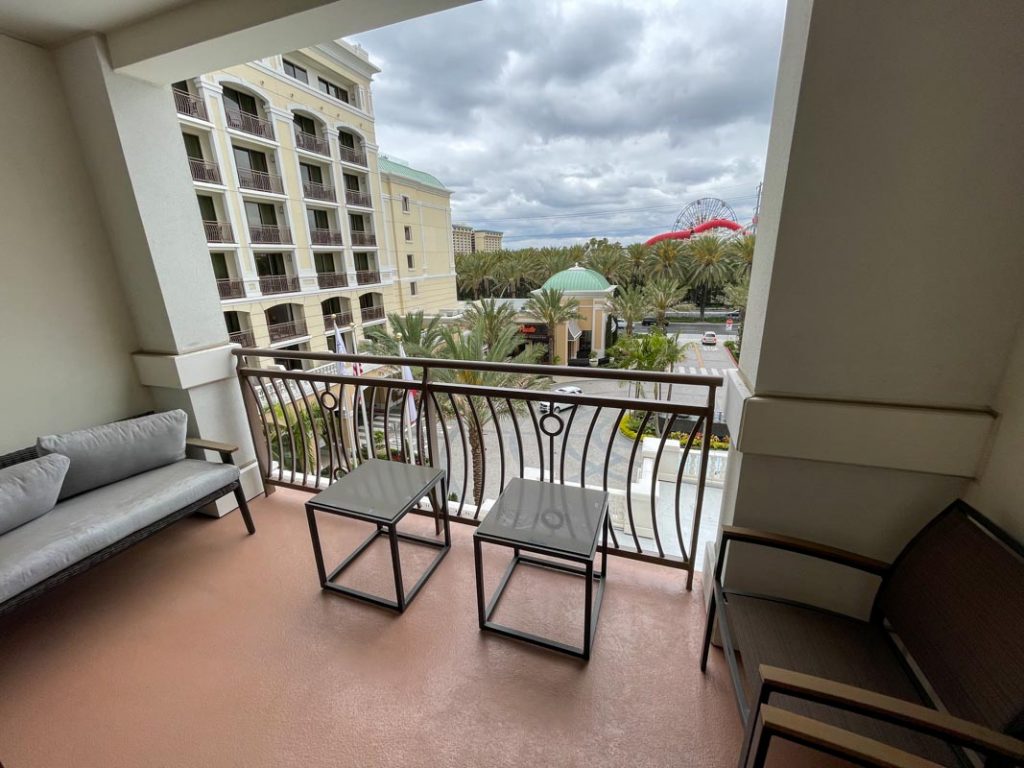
315, 190
363, 238
190, 105
332, 279
337, 320
246, 112
324, 236
262, 181
359, 198
367, 276
229, 288
205, 171
245, 338
370, 313
271, 234
312, 143
218, 232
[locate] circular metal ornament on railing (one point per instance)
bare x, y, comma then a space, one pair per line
552, 431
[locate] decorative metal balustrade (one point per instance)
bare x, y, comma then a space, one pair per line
363, 238
204, 170
367, 276
273, 234
370, 314
249, 123
288, 330
486, 423
314, 190
337, 320
355, 197
331, 280
260, 181
278, 284
231, 289
218, 232
312, 143
325, 237
352, 155
245, 338
187, 104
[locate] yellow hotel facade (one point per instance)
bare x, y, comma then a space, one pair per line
309, 228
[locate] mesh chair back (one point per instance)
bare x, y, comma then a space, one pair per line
955, 597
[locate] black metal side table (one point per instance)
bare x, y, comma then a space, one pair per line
562, 523
382, 493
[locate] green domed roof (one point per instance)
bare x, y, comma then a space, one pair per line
577, 279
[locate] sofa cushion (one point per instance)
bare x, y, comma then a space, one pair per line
30, 489
105, 454
84, 525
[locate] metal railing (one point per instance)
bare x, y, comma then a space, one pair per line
355, 197
371, 313
363, 238
204, 170
244, 338
337, 320
311, 428
312, 143
231, 289
218, 232
314, 190
249, 123
367, 276
325, 237
278, 284
332, 280
288, 330
276, 233
192, 106
260, 180
352, 155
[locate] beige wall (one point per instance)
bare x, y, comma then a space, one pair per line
999, 491
64, 326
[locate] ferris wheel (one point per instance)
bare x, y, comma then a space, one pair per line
702, 211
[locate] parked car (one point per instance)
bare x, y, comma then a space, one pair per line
735, 314
546, 407
709, 339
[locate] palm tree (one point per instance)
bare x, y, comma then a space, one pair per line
610, 261
654, 351
637, 256
550, 307
630, 305
708, 267
473, 411
665, 260
741, 253
413, 333
492, 317
662, 296
473, 273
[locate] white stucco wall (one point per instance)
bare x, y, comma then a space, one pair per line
64, 328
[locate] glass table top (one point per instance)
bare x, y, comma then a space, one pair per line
558, 517
379, 490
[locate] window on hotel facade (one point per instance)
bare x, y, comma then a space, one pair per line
270, 264
243, 102
193, 148
408, 234
294, 70
405, 204
333, 90
355, 222
260, 214
206, 208
412, 289
324, 262
409, 259
250, 160
317, 219
220, 266
311, 173
305, 124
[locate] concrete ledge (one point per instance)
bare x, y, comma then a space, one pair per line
187, 371
934, 440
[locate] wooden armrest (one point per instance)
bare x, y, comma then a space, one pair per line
833, 740
914, 716
803, 547
224, 449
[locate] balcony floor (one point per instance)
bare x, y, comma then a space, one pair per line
204, 647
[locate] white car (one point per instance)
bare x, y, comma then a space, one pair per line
546, 407
709, 339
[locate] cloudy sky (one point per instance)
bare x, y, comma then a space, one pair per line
558, 121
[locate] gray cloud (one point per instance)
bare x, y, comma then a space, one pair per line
545, 110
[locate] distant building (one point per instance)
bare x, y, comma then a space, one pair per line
469, 240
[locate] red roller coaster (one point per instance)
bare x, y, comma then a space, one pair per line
700, 216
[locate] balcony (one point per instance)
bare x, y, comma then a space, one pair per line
339, 320
314, 190
261, 181
289, 330
352, 155
247, 122
332, 279
204, 171
189, 105
260, 234
370, 314
361, 199
312, 143
218, 232
270, 284
364, 238
367, 277
231, 289
245, 338
325, 237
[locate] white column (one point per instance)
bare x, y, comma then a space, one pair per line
131, 142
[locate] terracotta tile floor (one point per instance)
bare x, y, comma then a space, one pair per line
204, 647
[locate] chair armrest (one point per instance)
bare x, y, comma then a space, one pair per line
803, 547
828, 738
889, 709
224, 449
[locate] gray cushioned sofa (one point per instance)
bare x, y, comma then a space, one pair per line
113, 486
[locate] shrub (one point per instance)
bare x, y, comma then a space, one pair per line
630, 425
